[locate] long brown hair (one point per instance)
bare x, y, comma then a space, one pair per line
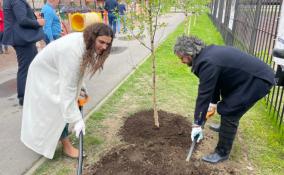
92, 61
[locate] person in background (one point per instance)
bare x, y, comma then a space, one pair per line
22, 31
52, 27
54, 82
237, 77
5, 47
111, 6
133, 6
122, 17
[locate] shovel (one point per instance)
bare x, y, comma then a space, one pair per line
80, 158
191, 148
83, 99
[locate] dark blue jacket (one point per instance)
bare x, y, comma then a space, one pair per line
230, 73
111, 6
121, 9
19, 20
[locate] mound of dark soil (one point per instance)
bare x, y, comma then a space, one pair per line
174, 129
151, 151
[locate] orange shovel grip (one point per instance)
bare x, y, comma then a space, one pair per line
83, 101
210, 114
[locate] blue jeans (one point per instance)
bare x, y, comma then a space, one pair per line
112, 21
121, 20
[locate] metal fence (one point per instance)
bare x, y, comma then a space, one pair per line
251, 25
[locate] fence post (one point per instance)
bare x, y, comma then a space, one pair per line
279, 43
228, 11
221, 8
234, 23
255, 27
212, 8
215, 9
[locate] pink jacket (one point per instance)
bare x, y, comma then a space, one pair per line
1, 21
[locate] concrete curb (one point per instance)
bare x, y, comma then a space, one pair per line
36, 165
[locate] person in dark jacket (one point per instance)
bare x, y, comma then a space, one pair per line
111, 6
122, 16
21, 31
237, 77
1, 31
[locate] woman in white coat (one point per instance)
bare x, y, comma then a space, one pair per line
53, 85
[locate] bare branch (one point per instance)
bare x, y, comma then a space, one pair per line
139, 40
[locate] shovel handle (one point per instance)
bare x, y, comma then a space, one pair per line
80, 158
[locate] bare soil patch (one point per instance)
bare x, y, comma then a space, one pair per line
152, 151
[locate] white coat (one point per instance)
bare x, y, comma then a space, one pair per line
52, 89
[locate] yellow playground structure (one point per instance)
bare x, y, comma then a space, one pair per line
79, 21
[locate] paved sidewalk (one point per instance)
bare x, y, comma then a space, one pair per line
15, 158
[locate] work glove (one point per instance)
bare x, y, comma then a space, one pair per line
211, 110
84, 93
79, 126
196, 132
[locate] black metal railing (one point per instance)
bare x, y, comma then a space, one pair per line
251, 25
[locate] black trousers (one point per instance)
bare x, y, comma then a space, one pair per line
25, 55
227, 133
5, 46
229, 124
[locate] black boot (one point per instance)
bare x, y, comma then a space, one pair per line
21, 101
214, 158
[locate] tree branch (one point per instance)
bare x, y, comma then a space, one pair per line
140, 41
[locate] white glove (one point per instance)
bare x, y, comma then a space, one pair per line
196, 130
79, 126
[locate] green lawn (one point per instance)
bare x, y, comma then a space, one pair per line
257, 139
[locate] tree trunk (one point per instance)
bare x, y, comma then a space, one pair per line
189, 25
156, 116
186, 23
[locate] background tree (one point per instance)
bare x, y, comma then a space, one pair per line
191, 9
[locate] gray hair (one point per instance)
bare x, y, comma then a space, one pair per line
188, 45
